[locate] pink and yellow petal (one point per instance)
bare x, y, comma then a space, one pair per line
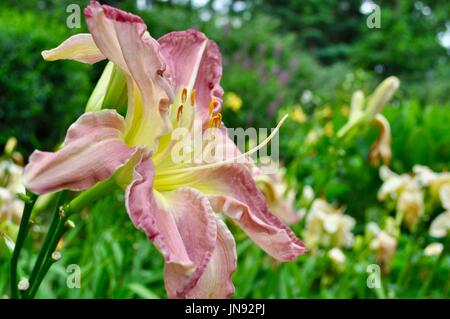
181, 224
123, 39
80, 47
93, 150
232, 190
194, 62
215, 282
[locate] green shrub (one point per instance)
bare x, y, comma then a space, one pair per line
38, 99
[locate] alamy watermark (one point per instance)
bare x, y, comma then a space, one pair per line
74, 276
74, 18
211, 146
373, 11
374, 276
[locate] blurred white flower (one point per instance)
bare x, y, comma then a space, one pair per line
406, 191
10, 185
394, 184
434, 249
336, 255
427, 177
410, 205
444, 195
441, 224
307, 194
280, 197
381, 242
327, 226
435, 181
313, 136
372, 229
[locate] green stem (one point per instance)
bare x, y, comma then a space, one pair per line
380, 292
48, 260
84, 199
50, 234
403, 274
45, 268
29, 199
87, 197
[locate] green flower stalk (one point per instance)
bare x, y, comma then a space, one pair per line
363, 111
110, 91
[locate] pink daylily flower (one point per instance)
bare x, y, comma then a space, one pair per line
170, 82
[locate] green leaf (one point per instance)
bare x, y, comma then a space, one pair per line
142, 291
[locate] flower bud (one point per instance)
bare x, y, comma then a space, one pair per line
110, 91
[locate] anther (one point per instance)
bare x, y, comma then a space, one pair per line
215, 121
218, 120
179, 112
193, 97
212, 104
183, 95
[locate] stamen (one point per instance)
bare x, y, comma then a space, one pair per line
212, 104
183, 95
213, 120
231, 160
193, 97
179, 112
217, 120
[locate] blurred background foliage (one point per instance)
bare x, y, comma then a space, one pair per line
278, 56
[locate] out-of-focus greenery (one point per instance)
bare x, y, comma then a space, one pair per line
278, 56
37, 99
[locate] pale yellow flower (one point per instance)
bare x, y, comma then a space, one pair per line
406, 191
337, 255
385, 246
280, 198
233, 101
11, 184
345, 110
440, 226
313, 136
329, 129
435, 181
433, 249
307, 194
10, 145
383, 243
394, 184
410, 205
328, 226
298, 115
326, 112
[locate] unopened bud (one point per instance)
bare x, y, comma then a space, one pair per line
70, 224
23, 285
56, 255
10, 145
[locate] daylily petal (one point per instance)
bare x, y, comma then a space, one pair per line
216, 280
440, 227
381, 149
232, 190
444, 195
181, 224
194, 61
123, 39
93, 150
80, 47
